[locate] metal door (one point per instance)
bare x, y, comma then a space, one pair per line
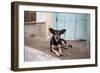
76, 25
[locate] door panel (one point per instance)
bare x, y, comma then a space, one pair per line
88, 27
81, 27
60, 19
70, 26
53, 25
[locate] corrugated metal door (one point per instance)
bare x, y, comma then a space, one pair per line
76, 25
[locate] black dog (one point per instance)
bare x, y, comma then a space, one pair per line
56, 42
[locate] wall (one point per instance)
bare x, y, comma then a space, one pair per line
5, 37
46, 18
40, 28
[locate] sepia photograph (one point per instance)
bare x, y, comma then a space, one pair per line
56, 36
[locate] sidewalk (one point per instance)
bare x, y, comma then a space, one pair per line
80, 50
32, 54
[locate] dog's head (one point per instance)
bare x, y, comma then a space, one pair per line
57, 33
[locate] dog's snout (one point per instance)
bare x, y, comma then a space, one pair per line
57, 37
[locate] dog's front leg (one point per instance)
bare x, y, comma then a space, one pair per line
60, 50
55, 51
64, 44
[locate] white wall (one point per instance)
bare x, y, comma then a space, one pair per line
5, 41
40, 17
45, 17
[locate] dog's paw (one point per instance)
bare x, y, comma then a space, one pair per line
61, 55
58, 54
64, 46
70, 46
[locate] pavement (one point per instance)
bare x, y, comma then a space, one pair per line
39, 50
32, 54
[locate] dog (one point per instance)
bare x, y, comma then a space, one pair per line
57, 43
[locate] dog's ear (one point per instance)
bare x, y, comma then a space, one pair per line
63, 31
51, 30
